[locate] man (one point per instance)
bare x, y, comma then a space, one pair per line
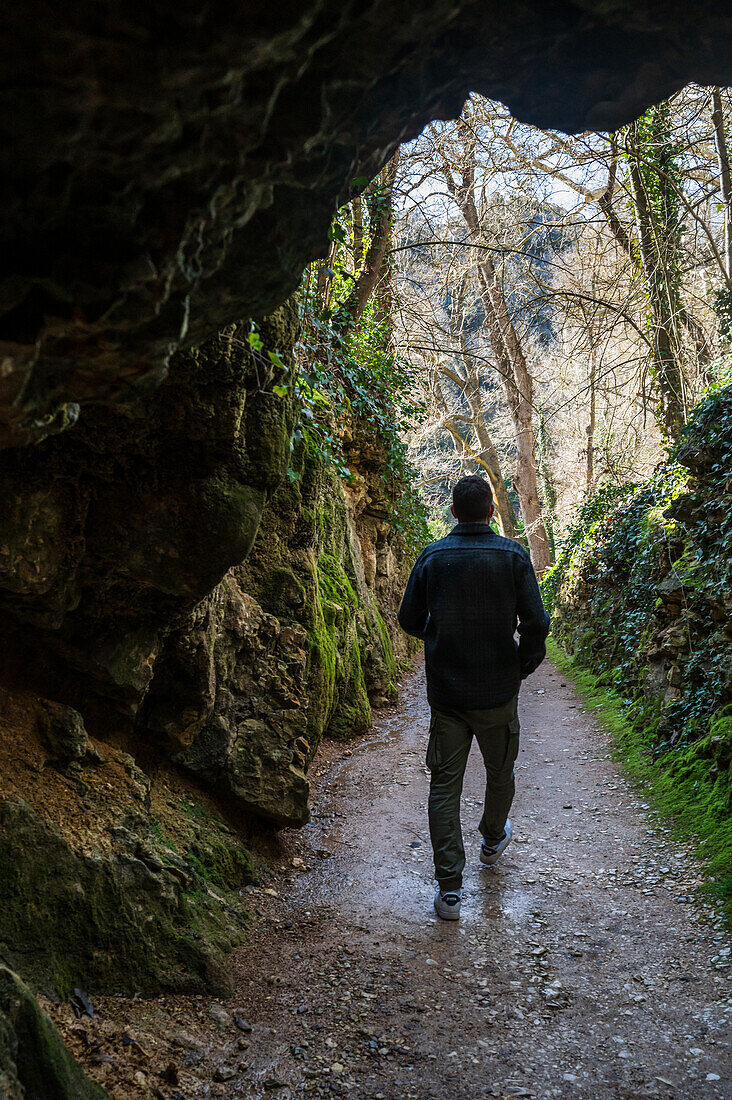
465, 597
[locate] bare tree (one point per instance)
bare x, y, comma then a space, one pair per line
510, 360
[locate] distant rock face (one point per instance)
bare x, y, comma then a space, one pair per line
170, 169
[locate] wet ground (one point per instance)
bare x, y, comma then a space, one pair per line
582, 965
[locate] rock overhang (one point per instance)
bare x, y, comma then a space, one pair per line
170, 169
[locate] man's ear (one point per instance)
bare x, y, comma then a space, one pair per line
492, 510
452, 509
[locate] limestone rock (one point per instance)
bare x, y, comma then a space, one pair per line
63, 733
229, 699
107, 922
123, 525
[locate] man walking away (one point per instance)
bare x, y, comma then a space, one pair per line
466, 596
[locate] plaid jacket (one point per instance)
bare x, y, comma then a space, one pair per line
466, 597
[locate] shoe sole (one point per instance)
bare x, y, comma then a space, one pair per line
448, 916
489, 861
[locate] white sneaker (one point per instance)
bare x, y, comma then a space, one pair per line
490, 855
447, 905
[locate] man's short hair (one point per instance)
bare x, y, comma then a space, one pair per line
472, 499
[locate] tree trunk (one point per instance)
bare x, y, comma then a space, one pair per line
484, 456
725, 181
659, 275
511, 365
591, 430
380, 223
357, 243
489, 460
702, 347
519, 387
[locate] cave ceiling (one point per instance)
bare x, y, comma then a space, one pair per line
170, 168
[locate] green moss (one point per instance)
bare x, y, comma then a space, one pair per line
352, 710
334, 583
691, 787
103, 923
321, 678
302, 569
43, 1065
387, 648
224, 864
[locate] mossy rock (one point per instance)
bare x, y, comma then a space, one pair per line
34, 1063
112, 923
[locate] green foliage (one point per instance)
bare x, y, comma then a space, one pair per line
640, 597
355, 375
594, 510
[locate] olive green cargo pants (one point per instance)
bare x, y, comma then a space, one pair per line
451, 735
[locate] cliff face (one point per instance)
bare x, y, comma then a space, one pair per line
292, 644
185, 622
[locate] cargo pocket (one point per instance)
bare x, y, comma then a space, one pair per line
512, 742
431, 758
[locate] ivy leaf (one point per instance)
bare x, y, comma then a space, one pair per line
275, 358
360, 181
293, 475
280, 391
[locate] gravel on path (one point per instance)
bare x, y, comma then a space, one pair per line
582, 966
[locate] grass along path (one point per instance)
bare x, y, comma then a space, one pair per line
684, 786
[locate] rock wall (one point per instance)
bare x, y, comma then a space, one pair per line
292, 644
185, 622
646, 599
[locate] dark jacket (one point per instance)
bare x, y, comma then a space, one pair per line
466, 596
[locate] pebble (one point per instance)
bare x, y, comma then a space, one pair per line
219, 1015
224, 1073
242, 1024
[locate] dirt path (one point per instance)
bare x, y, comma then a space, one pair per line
579, 967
